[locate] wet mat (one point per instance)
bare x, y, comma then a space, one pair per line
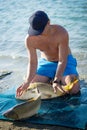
70, 111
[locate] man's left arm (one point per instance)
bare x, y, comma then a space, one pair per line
62, 55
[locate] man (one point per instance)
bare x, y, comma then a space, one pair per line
56, 62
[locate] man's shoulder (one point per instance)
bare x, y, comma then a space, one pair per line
30, 38
34, 41
29, 41
59, 28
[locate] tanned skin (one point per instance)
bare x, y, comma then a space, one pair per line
53, 44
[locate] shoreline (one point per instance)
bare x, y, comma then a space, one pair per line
17, 125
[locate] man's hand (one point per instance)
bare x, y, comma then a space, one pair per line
59, 87
21, 89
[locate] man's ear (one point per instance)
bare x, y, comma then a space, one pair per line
48, 22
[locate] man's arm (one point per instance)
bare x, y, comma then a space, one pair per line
32, 60
62, 55
32, 66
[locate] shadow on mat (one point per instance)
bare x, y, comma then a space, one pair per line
41, 127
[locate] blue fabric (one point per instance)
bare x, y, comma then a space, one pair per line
47, 68
70, 111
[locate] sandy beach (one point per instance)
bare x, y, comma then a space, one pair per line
7, 125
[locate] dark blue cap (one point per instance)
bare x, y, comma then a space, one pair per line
37, 22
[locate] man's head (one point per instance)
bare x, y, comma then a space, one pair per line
37, 21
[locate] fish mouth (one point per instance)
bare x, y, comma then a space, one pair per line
11, 115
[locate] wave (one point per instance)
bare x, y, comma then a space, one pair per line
12, 57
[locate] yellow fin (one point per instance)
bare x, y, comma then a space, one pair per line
32, 86
70, 85
34, 98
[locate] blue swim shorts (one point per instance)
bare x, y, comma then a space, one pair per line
48, 68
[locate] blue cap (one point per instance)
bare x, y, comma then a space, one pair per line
37, 22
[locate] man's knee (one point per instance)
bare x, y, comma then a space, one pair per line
74, 82
75, 88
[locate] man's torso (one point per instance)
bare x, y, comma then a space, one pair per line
49, 44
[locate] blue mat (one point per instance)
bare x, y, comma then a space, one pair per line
69, 111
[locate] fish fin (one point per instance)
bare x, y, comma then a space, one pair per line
34, 98
70, 85
32, 86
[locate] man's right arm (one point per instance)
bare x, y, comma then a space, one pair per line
32, 60
32, 66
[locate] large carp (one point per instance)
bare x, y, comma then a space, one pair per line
46, 90
25, 109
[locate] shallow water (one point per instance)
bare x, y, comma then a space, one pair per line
14, 17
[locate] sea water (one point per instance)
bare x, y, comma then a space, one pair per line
14, 15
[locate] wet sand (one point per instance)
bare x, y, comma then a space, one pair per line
7, 125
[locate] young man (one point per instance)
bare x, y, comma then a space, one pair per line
56, 62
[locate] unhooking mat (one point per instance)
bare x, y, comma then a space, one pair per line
69, 111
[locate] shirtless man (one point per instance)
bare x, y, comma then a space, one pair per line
56, 62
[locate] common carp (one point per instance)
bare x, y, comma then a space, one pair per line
46, 90
25, 109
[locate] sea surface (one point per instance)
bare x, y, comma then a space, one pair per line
14, 15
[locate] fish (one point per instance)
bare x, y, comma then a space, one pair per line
46, 90
24, 110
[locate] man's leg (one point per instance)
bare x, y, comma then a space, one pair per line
70, 79
65, 80
39, 78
